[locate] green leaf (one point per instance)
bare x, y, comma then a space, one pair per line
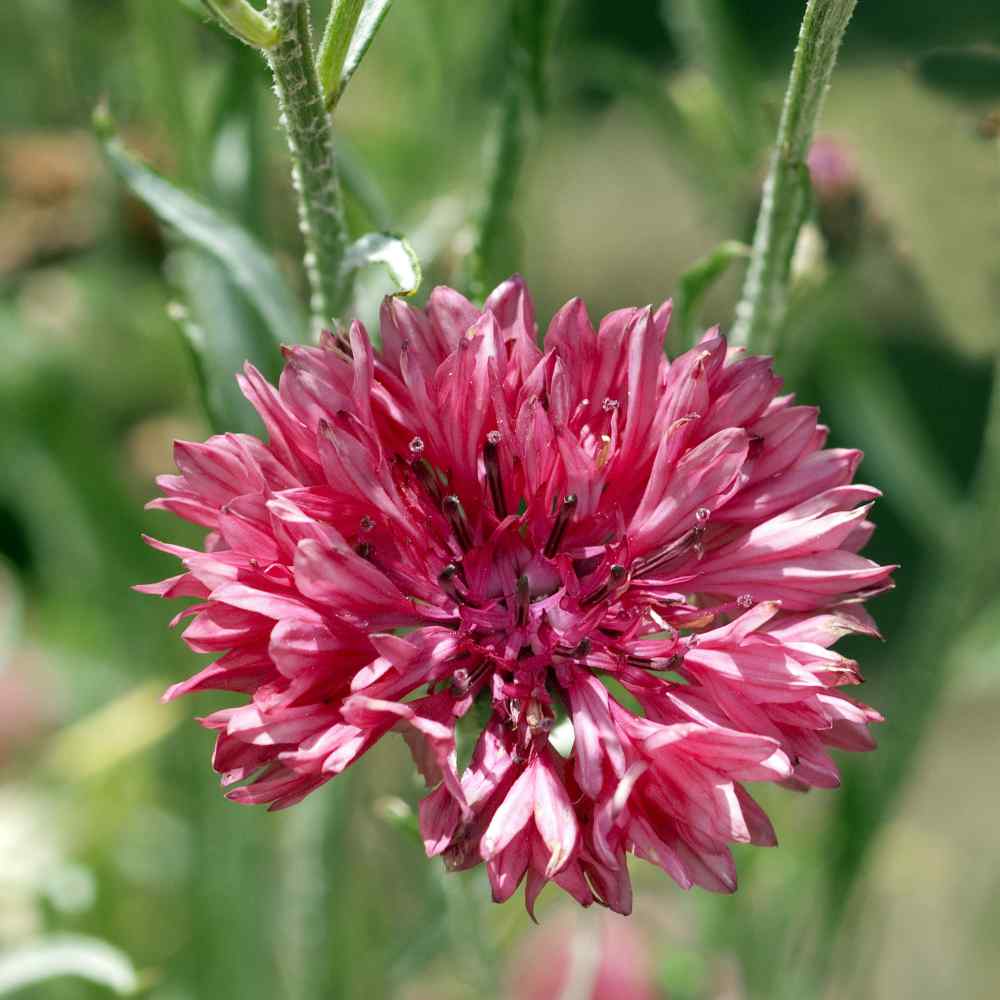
245, 22
67, 955
222, 331
871, 407
194, 7
468, 729
390, 250
970, 73
249, 265
694, 285
369, 22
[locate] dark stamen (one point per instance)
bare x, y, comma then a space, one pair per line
582, 648
559, 527
365, 549
446, 579
659, 663
523, 601
426, 477
341, 342
674, 552
615, 575
638, 661
493, 478
455, 512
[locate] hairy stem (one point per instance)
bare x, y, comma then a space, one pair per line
337, 37
785, 197
309, 130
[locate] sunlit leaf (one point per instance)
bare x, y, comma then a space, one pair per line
393, 252
67, 955
250, 266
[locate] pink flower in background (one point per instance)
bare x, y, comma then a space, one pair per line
30, 703
632, 569
606, 960
832, 168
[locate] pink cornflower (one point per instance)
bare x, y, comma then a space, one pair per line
632, 568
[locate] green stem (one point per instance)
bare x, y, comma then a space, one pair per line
337, 37
785, 197
243, 21
494, 224
309, 130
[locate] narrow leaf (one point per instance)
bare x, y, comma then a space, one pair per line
221, 331
337, 37
390, 250
872, 408
695, 283
252, 269
369, 22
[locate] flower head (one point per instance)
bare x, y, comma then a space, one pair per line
631, 568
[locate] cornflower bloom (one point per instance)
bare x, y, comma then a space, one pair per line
624, 574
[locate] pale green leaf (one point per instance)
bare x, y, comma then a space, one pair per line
391, 251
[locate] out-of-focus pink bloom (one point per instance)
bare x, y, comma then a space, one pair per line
466, 519
608, 960
842, 208
29, 703
832, 168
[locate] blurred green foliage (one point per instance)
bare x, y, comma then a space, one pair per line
645, 154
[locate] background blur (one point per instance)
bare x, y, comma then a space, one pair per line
117, 849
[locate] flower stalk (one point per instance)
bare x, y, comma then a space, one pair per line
309, 130
785, 199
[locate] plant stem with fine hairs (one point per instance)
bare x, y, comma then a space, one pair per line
309, 130
785, 198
